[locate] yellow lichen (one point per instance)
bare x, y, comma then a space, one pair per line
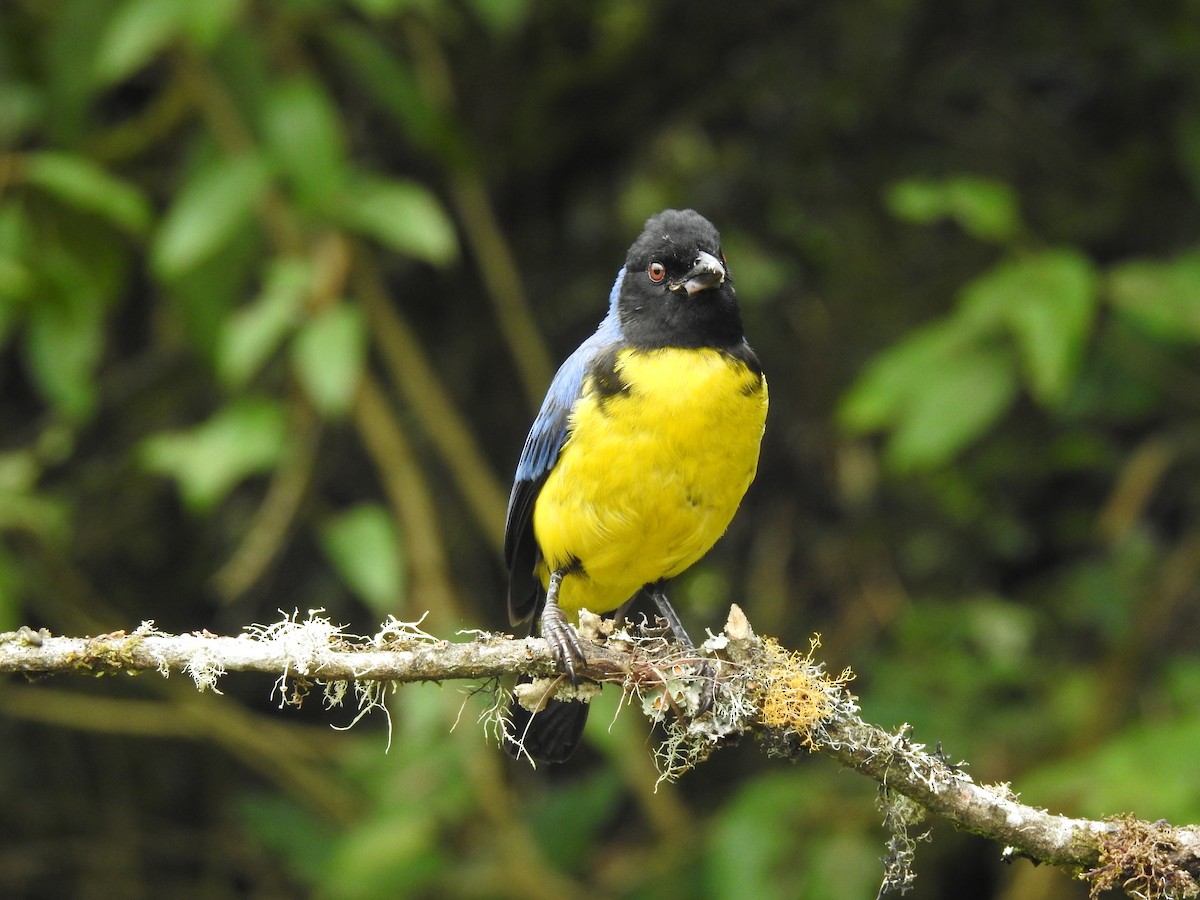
794, 692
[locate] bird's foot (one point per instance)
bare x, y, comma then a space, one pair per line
564, 642
685, 653
704, 669
708, 686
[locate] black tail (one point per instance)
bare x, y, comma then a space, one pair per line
549, 736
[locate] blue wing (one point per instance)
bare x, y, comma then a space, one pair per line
542, 446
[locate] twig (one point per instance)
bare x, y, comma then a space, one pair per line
406, 488
413, 374
324, 656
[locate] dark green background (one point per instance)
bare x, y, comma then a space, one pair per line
281, 284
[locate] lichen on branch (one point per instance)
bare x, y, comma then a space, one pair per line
738, 684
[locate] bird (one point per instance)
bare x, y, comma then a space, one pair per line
637, 460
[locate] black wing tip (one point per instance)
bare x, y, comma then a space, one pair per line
549, 736
523, 599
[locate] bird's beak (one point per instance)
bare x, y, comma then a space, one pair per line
707, 272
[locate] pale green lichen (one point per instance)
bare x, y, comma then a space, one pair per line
302, 643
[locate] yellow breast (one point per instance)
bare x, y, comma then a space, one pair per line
650, 474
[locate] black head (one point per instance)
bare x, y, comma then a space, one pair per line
677, 290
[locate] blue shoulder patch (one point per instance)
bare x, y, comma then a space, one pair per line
542, 446
549, 429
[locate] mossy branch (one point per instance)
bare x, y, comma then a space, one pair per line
784, 698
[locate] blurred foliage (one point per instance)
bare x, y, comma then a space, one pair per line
281, 285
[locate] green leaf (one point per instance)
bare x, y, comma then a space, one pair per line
1187, 144
206, 23
963, 397
917, 200
400, 214
12, 610
381, 9
305, 140
18, 279
759, 273
63, 342
882, 394
202, 299
383, 851
984, 208
841, 863
384, 79
364, 546
1047, 301
16, 236
207, 213
251, 334
1115, 775
567, 822
41, 514
85, 185
501, 16
137, 31
16, 283
752, 852
291, 830
327, 356
141, 29
21, 505
21, 106
1161, 297
244, 438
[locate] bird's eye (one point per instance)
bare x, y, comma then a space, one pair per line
657, 272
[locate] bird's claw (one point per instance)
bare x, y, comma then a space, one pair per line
708, 686
564, 642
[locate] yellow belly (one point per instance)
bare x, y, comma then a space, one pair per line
649, 478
